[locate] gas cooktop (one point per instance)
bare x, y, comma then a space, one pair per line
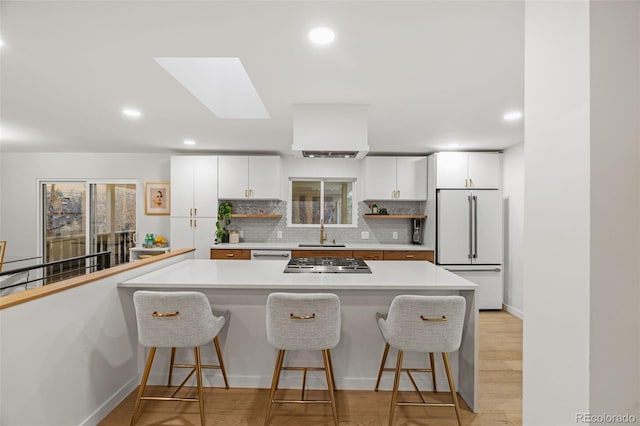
321, 265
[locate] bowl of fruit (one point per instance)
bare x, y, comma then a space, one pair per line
160, 241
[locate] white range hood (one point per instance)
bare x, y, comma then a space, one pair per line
330, 130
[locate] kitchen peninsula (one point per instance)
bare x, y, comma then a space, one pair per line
242, 286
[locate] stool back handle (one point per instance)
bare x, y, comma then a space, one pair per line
302, 317
164, 315
423, 318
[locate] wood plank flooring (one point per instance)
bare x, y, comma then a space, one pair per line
500, 396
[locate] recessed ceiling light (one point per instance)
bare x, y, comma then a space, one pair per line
322, 35
132, 113
512, 116
189, 142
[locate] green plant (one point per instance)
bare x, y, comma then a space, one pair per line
224, 219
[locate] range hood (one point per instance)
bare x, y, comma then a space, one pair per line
330, 130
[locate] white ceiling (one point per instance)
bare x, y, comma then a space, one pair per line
433, 72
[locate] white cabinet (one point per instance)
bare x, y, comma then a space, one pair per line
254, 177
194, 186
194, 203
395, 178
198, 232
480, 170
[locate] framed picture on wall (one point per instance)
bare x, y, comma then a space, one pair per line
157, 198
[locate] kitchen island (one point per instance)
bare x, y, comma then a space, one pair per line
242, 287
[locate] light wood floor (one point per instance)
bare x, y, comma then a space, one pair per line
500, 396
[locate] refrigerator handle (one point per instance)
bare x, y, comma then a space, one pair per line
469, 254
475, 226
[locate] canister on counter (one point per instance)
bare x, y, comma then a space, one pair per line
234, 237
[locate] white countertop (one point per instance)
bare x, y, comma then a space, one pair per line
348, 246
260, 274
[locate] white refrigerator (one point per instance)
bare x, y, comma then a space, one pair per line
469, 240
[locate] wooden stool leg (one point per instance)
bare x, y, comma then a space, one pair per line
216, 344
333, 377
143, 384
330, 384
433, 371
196, 354
274, 384
382, 363
452, 386
396, 383
173, 359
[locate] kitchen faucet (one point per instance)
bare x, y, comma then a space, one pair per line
323, 236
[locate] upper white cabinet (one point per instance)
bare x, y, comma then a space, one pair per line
395, 178
253, 177
480, 170
194, 186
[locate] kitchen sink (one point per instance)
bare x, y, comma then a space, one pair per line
321, 245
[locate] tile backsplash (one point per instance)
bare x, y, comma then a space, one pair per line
266, 229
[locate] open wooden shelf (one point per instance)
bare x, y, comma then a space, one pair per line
395, 216
256, 216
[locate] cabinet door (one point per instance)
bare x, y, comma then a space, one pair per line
205, 183
484, 170
451, 169
181, 186
204, 233
379, 178
411, 178
233, 177
264, 177
181, 234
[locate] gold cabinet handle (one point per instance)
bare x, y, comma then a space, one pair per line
231, 254
190, 212
164, 315
443, 318
195, 223
302, 317
195, 212
470, 183
409, 256
190, 223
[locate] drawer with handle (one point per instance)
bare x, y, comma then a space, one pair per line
368, 254
238, 254
408, 255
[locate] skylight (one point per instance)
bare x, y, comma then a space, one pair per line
221, 84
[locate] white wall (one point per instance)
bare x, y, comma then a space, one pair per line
582, 191
615, 207
557, 233
19, 174
71, 357
513, 184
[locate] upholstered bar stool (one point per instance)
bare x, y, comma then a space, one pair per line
308, 322
427, 324
175, 320
216, 346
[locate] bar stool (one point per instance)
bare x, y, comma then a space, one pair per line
308, 322
425, 324
175, 320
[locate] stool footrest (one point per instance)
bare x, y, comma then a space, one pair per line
299, 401
166, 398
426, 404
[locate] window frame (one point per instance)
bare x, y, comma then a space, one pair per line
354, 204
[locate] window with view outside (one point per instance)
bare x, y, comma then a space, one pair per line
313, 200
110, 221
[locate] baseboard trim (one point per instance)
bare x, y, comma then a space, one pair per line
110, 404
513, 311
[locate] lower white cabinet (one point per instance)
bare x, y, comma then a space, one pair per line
198, 233
490, 281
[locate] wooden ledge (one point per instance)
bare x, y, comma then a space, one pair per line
38, 292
